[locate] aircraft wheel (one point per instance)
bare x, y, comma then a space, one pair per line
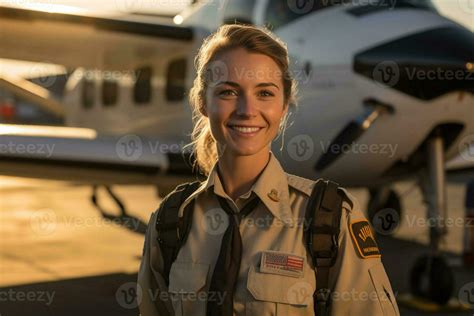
431, 278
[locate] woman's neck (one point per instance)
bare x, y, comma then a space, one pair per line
239, 173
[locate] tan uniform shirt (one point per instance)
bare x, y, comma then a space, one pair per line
360, 285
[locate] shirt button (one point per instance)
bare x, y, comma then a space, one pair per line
273, 195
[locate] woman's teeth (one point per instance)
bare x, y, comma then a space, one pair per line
246, 129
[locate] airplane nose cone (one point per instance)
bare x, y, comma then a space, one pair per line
424, 65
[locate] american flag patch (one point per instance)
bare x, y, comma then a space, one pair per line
282, 263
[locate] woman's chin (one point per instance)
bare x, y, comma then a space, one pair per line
243, 149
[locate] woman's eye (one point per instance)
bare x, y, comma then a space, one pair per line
266, 93
226, 92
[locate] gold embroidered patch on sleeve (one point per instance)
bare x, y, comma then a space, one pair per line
364, 239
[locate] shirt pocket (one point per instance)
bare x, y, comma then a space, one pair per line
187, 288
384, 290
279, 294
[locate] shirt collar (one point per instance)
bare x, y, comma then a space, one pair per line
271, 187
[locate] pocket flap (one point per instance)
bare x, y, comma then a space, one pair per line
279, 288
187, 277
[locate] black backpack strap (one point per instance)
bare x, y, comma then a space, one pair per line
173, 230
323, 218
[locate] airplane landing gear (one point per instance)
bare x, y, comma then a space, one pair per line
383, 198
124, 219
431, 277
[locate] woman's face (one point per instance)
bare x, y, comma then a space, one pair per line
244, 101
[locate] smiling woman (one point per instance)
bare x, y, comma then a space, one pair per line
242, 79
249, 239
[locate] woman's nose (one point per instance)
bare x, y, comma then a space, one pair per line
246, 106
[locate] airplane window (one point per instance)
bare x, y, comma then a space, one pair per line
142, 89
109, 92
281, 12
88, 93
175, 80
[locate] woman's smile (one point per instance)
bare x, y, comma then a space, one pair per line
247, 131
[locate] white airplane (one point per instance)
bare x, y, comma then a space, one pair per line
386, 94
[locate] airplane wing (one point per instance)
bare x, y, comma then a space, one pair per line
105, 41
86, 39
461, 168
81, 155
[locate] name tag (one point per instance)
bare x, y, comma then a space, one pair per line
282, 263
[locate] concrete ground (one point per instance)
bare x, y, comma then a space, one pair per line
59, 256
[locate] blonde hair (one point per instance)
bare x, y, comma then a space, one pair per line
227, 37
